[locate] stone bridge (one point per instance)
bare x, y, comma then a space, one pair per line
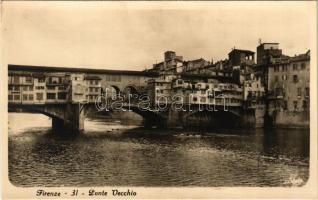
68, 94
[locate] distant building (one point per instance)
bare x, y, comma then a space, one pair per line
195, 66
266, 52
171, 64
238, 57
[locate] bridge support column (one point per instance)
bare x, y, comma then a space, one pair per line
150, 122
57, 124
175, 119
73, 119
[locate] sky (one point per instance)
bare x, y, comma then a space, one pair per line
133, 36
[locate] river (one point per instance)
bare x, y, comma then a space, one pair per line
110, 154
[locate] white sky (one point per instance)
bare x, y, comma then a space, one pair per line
133, 36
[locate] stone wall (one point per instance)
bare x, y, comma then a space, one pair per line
290, 119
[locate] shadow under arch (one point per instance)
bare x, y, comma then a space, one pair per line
33, 109
149, 117
212, 119
56, 115
111, 90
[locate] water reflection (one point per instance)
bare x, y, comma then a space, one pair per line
111, 154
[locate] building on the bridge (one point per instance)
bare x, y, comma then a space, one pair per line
93, 87
254, 92
57, 86
78, 87
210, 92
39, 88
20, 88
159, 91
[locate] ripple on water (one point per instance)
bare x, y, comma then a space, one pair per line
115, 155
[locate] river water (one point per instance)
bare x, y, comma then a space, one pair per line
119, 155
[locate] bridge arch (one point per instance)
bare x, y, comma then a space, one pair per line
130, 89
150, 118
56, 113
111, 90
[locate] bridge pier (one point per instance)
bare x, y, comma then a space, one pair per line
72, 120
175, 119
57, 125
150, 122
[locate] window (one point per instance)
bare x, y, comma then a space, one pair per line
307, 91
17, 88
41, 80
28, 79
284, 68
25, 97
25, 88
51, 87
203, 99
39, 96
10, 87
195, 99
16, 80
10, 97
61, 95
295, 78
284, 77
39, 87
96, 82
276, 68
303, 65
96, 89
31, 97
51, 96
278, 91
285, 105
294, 67
299, 91
295, 105
202, 91
210, 94
17, 97
60, 79
305, 104
30, 88
276, 78
61, 88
